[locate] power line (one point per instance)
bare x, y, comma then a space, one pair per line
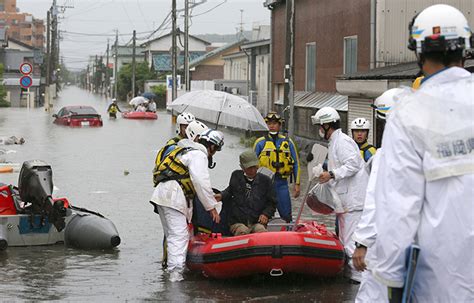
143, 15
211, 9
101, 35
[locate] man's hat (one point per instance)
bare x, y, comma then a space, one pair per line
248, 159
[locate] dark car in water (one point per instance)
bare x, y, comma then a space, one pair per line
78, 116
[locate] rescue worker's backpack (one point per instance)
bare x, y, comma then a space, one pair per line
162, 152
171, 168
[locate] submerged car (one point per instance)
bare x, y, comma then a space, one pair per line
78, 116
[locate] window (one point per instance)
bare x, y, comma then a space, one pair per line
311, 66
350, 55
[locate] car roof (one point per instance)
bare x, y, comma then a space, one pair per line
84, 109
77, 106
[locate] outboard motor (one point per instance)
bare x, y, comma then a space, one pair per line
36, 186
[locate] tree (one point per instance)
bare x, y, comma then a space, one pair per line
3, 93
124, 84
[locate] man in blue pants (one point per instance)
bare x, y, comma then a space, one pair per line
278, 153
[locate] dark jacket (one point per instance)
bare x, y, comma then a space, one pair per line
245, 208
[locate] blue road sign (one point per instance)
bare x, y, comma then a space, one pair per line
26, 81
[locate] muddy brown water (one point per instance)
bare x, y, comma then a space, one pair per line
108, 170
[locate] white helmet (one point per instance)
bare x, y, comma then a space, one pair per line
194, 129
185, 118
213, 137
325, 115
439, 28
385, 101
360, 123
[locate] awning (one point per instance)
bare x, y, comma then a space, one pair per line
318, 100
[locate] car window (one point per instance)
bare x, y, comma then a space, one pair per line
83, 111
62, 112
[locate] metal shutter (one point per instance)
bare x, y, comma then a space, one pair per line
360, 108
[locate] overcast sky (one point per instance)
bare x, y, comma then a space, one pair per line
88, 25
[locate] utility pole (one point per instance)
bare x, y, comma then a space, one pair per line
174, 52
133, 64
115, 64
107, 77
95, 75
186, 45
48, 62
54, 41
288, 101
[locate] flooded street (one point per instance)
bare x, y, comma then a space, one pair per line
90, 168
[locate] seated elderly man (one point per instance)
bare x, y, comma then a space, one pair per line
250, 197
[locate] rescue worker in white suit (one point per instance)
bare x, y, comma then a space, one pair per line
424, 187
183, 174
370, 289
347, 174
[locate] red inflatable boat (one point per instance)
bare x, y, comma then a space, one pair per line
311, 250
140, 115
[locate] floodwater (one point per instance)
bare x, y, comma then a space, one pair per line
108, 170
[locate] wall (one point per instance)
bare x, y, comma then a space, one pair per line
392, 26
262, 73
235, 68
326, 23
207, 72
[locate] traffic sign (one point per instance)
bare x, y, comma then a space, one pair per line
26, 81
26, 68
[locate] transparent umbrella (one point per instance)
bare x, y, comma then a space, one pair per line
137, 101
221, 108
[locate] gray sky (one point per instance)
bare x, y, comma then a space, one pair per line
102, 17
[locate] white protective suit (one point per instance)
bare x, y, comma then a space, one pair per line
425, 189
173, 206
370, 290
350, 183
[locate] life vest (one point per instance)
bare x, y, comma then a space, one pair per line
278, 160
367, 151
162, 152
171, 168
113, 109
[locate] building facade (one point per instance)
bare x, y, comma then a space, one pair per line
337, 38
158, 51
22, 27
